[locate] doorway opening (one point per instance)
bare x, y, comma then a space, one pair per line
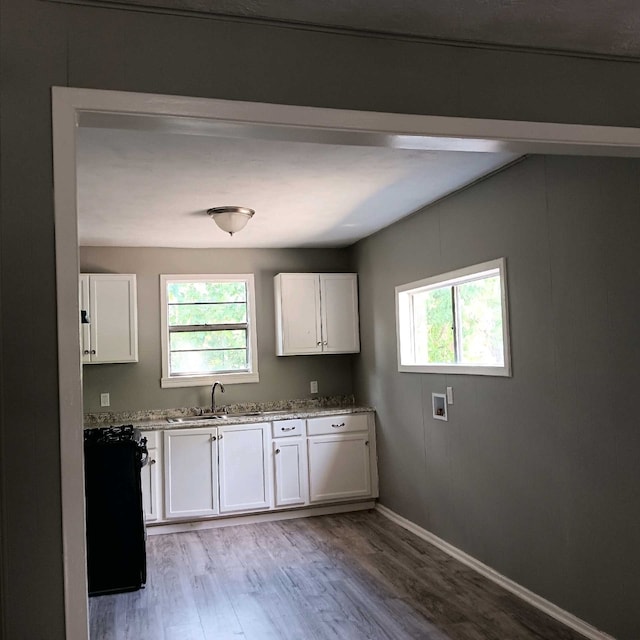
77, 108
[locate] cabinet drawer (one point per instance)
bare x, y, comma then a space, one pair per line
337, 424
283, 428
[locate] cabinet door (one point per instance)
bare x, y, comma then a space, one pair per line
150, 476
190, 472
290, 471
243, 475
339, 467
85, 318
340, 326
114, 318
298, 314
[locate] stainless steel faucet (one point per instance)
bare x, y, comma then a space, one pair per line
213, 394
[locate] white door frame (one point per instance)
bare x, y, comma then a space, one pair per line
74, 107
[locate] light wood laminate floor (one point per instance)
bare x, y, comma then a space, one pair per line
347, 576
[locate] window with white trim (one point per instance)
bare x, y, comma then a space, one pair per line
208, 329
456, 322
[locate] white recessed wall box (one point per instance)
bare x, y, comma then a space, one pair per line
439, 401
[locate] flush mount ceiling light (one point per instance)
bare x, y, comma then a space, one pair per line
231, 219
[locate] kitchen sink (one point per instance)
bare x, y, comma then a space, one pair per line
260, 413
224, 416
197, 418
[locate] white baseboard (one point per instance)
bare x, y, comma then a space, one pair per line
270, 516
533, 599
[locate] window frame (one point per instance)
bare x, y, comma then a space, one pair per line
405, 332
168, 381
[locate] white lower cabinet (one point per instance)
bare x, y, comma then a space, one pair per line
290, 472
191, 472
151, 479
234, 469
339, 467
243, 472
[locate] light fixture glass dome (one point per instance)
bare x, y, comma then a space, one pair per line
231, 219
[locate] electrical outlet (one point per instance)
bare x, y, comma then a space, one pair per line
313, 386
105, 400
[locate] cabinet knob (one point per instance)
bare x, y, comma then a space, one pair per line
213, 438
337, 426
325, 343
277, 450
86, 352
93, 352
152, 461
366, 443
219, 437
319, 343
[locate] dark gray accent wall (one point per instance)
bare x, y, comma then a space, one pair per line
535, 475
31, 540
44, 44
155, 53
137, 385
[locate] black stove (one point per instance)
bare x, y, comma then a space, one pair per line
116, 553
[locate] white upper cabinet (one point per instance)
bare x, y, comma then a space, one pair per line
316, 313
339, 312
298, 324
109, 318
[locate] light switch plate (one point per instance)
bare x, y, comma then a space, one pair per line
449, 395
105, 400
313, 386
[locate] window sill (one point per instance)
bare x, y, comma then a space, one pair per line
456, 369
206, 381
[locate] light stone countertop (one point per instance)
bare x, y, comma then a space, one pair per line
155, 419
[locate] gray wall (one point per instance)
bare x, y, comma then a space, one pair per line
137, 386
44, 44
535, 475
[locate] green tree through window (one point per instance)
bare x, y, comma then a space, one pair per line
455, 322
207, 324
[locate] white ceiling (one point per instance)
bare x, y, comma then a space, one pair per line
148, 188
